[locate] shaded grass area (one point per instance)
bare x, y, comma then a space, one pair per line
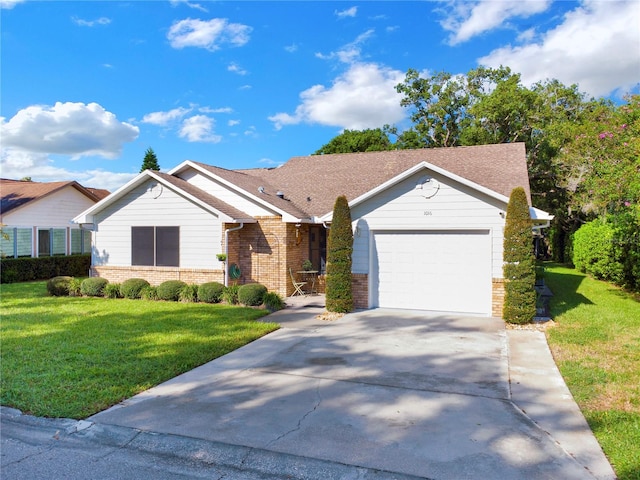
73, 357
596, 345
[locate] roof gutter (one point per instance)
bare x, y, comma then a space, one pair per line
226, 251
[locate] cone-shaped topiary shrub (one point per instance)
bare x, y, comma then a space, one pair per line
59, 286
93, 286
519, 263
132, 287
210, 292
170, 290
339, 297
251, 294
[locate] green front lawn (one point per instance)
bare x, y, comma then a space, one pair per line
72, 357
596, 345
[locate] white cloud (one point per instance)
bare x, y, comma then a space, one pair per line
291, 48
68, 128
363, 97
9, 4
349, 12
233, 123
197, 6
39, 166
215, 110
469, 19
164, 118
235, 68
90, 23
350, 52
199, 128
595, 47
211, 34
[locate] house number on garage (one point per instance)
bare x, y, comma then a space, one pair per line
428, 213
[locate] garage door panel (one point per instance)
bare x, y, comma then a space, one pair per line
440, 270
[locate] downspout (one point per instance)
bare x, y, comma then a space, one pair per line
226, 251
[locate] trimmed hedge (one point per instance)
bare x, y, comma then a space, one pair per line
27, 269
273, 301
251, 294
170, 290
59, 286
210, 292
339, 297
93, 286
132, 287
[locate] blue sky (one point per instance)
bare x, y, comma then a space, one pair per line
87, 86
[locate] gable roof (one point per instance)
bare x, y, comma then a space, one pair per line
18, 193
313, 183
228, 212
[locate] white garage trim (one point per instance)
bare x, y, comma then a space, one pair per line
440, 270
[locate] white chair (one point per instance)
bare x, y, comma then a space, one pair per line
296, 285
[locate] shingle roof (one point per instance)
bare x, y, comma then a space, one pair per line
16, 193
312, 183
204, 197
259, 186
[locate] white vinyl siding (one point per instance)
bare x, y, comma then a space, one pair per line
225, 194
402, 207
154, 205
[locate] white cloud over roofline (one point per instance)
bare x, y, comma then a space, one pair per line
596, 46
363, 97
75, 129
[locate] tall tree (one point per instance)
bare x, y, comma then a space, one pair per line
150, 161
350, 141
339, 297
519, 263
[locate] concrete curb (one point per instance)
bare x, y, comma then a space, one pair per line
263, 463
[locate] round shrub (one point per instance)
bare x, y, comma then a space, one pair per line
93, 286
59, 286
132, 287
149, 293
112, 290
170, 290
210, 292
251, 294
594, 251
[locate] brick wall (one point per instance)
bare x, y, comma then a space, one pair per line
497, 297
360, 290
157, 275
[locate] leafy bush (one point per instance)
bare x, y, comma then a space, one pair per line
170, 290
112, 290
75, 287
189, 294
132, 287
59, 286
626, 240
251, 294
230, 294
43, 268
339, 297
594, 253
272, 301
210, 292
93, 286
149, 293
519, 263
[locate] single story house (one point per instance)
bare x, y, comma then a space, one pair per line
428, 224
36, 217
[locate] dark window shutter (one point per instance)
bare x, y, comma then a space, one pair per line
142, 246
168, 246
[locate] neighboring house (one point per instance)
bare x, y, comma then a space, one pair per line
428, 224
36, 217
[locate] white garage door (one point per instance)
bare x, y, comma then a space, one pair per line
446, 271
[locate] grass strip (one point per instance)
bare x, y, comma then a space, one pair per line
73, 357
596, 345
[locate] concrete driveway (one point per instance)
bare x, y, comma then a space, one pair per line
396, 391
